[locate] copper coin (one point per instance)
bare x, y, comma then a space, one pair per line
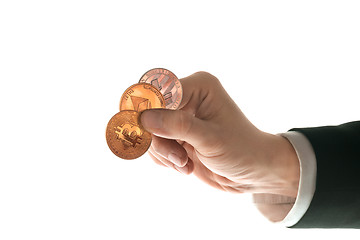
125, 135
167, 83
141, 96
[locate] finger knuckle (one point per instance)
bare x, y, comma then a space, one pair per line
156, 145
208, 80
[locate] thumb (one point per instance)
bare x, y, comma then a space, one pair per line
180, 125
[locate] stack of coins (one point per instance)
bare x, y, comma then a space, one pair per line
157, 88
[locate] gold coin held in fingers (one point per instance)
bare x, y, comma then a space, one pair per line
125, 135
141, 96
167, 83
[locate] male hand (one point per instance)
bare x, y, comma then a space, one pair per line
210, 137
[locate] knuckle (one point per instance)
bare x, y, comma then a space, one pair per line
208, 78
206, 75
160, 147
156, 145
202, 73
155, 160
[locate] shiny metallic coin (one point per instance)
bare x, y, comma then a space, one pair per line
167, 83
125, 135
141, 96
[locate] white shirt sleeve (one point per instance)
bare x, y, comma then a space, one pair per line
307, 183
275, 206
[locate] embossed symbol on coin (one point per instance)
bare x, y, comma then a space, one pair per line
167, 83
129, 133
140, 97
126, 137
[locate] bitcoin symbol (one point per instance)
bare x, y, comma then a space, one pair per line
129, 134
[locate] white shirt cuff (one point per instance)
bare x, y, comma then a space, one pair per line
307, 183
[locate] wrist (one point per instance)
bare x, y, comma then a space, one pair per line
288, 166
283, 166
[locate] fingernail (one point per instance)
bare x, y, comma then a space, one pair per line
151, 119
184, 170
175, 159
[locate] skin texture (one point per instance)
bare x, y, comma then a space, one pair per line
210, 137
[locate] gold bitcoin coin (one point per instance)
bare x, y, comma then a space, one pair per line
140, 97
125, 135
167, 83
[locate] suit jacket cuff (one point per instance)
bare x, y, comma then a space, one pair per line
307, 183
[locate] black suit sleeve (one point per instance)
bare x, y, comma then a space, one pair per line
336, 202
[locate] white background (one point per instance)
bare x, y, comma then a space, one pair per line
65, 64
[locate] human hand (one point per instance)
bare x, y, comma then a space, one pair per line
210, 137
